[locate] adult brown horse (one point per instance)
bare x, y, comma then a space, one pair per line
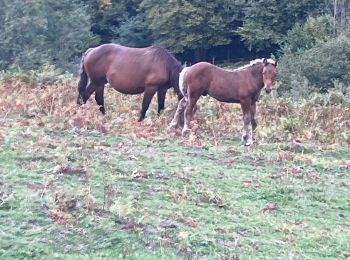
129, 71
242, 85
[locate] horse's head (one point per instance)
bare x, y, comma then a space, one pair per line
269, 74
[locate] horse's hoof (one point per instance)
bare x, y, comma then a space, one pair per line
186, 132
103, 110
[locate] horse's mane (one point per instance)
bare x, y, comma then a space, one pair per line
254, 62
172, 63
163, 54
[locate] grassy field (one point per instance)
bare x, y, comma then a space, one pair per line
77, 185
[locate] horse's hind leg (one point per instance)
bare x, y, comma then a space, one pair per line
189, 113
147, 97
88, 92
99, 98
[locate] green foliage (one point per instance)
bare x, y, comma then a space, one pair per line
181, 25
107, 19
39, 77
36, 32
266, 22
303, 37
316, 68
134, 32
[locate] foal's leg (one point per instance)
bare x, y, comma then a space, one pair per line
178, 114
161, 99
253, 114
189, 113
147, 97
247, 136
99, 98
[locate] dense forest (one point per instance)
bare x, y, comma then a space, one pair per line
310, 38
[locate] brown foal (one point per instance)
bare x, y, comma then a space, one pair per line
242, 85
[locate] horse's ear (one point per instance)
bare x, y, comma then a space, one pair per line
265, 61
276, 63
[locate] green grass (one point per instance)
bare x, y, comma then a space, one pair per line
158, 198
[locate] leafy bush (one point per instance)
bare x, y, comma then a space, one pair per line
303, 37
318, 68
33, 33
134, 32
46, 74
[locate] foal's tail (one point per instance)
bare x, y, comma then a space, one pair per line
182, 85
83, 80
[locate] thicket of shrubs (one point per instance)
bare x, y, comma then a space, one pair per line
41, 40
314, 59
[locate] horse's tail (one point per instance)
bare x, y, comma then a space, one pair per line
83, 80
182, 84
174, 78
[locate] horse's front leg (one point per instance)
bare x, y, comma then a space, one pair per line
161, 93
178, 117
147, 97
247, 136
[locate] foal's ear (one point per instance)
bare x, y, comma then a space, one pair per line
265, 61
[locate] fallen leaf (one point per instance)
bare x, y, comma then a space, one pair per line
167, 224
269, 207
191, 222
221, 230
138, 174
250, 184
183, 235
70, 170
130, 225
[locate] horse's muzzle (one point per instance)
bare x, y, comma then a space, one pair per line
268, 89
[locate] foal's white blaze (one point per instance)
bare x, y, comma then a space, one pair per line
181, 80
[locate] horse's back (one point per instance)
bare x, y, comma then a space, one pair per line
204, 78
97, 60
202, 73
128, 70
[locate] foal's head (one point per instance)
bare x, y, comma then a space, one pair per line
269, 74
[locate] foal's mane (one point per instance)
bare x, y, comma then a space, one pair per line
253, 63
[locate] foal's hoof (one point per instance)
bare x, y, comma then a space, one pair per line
246, 140
249, 142
186, 132
172, 126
